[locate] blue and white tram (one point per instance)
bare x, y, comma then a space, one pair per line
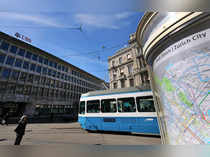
126, 110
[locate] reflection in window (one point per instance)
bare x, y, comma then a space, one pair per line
49, 72
30, 78
21, 52
36, 79
26, 65
2, 58
33, 67
46, 61
10, 60
44, 71
13, 49
145, 104
18, 63
15, 75
38, 69
108, 105
40, 59
82, 107
93, 106
28, 55
53, 73
6, 73
126, 105
34, 57
23, 76
4, 46
58, 74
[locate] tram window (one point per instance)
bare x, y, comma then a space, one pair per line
82, 107
126, 105
93, 106
145, 104
108, 105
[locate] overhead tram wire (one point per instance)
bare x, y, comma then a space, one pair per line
96, 51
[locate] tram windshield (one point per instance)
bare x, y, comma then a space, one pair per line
82, 107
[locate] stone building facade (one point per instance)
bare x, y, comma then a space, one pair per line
127, 67
33, 81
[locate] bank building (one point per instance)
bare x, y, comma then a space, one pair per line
37, 83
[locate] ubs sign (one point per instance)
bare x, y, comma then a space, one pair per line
18, 35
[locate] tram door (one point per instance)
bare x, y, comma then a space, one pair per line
109, 106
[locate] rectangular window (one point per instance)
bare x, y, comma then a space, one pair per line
51, 63
34, 57
39, 69
46, 61
93, 106
62, 76
126, 105
55, 65
58, 74
30, 78
6, 73
49, 72
13, 49
23, 76
40, 59
36, 79
26, 65
128, 56
131, 82
122, 83
115, 85
53, 73
2, 58
130, 69
10, 60
15, 75
66, 69
66, 77
113, 63
44, 71
120, 60
19, 89
4, 46
21, 52
59, 67
33, 67
109, 105
28, 55
145, 104
18, 63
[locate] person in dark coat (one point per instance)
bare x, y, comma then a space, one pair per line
20, 129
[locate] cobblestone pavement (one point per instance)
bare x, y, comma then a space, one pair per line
70, 133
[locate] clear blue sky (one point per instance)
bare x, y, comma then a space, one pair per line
50, 24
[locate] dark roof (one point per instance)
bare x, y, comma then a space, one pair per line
29, 46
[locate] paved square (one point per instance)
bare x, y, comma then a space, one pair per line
70, 133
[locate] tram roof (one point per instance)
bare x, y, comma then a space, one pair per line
115, 91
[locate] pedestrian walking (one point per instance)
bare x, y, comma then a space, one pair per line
20, 129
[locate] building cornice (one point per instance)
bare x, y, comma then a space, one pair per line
122, 51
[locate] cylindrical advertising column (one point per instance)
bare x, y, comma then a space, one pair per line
176, 47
